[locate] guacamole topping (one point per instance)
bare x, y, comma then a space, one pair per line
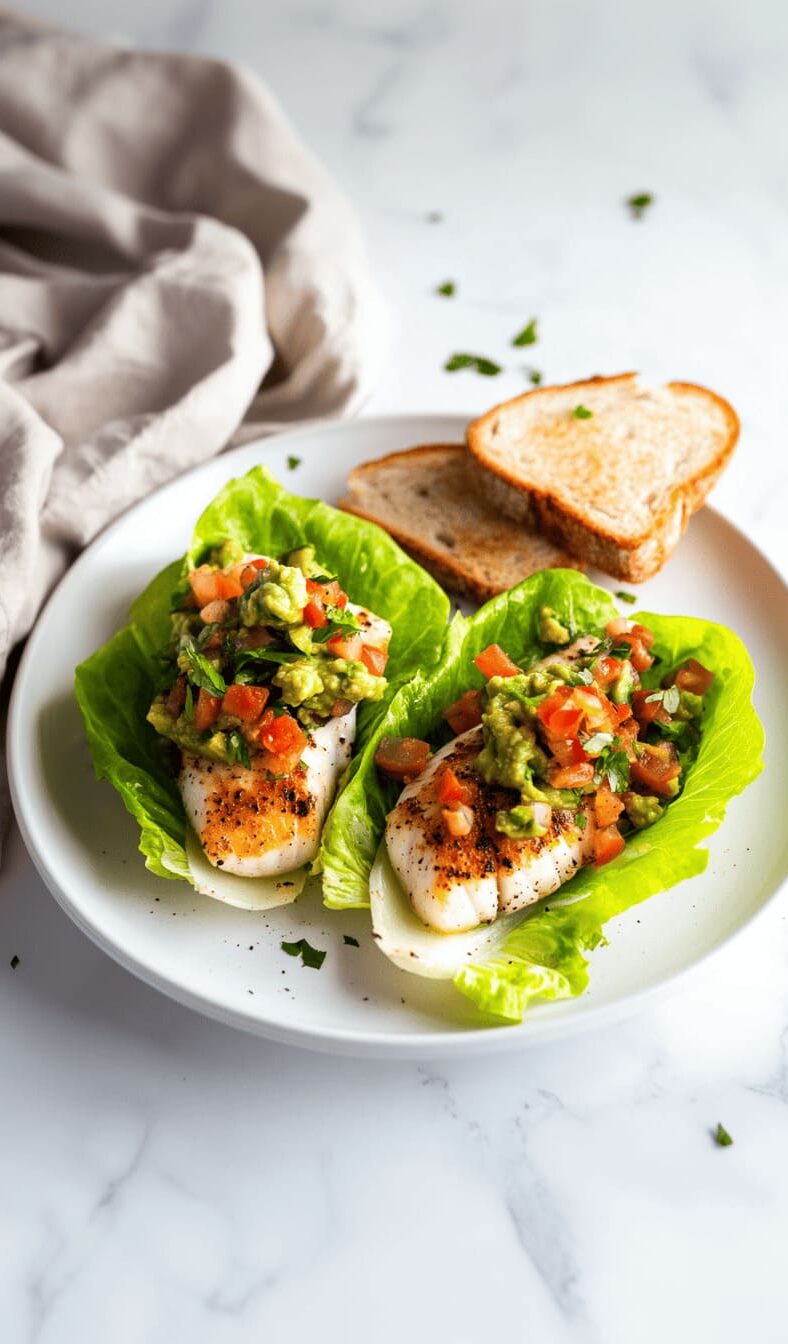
262, 651
551, 630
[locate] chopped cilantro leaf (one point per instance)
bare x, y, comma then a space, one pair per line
721, 1137
293, 462
528, 334
14, 962
535, 377
582, 413
629, 598
486, 367
237, 749
349, 941
639, 203
188, 707
581, 820
448, 289
202, 672
339, 623
310, 956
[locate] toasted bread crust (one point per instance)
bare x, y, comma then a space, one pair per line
451, 571
625, 557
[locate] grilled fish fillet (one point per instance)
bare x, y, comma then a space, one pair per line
253, 825
456, 884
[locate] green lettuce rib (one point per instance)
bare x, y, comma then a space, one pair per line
544, 956
114, 687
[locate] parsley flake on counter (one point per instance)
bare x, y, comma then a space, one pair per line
721, 1137
535, 376
14, 962
625, 597
349, 940
639, 203
448, 289
293, 462
310, 956
486, 367
582, 413
528, 334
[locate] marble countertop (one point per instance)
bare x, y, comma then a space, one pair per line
164, 1178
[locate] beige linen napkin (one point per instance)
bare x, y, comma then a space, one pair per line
173, 266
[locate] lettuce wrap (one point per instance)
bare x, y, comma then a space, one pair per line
539, 953
115, 686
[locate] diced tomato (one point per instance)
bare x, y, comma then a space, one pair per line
643, 633
402, 757
465, 713
346, 646
606, 671
639, 639
204, 585
176, 698
248, 572
341, 707
493, 662
451, 789
206, 711
622, 712
655, 767
566, 750
458, 820
314, 615
374, 659
330, 593
229, 584
617, 627
281, 735
607, 806
566, 720
648, 711
571, 776
608, 844
553, 702
244, 702
693, 676
216, 612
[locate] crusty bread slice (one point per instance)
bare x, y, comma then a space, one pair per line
616, 488
429, 500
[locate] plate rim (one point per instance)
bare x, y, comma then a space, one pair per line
353, 1042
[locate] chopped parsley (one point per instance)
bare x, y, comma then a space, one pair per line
448, 289
349, 940
582, 412
535, 376
487, 367
721, 1137
528, 335
639, 203
629, 598
14, 962
202, 673
293, 462
310, 956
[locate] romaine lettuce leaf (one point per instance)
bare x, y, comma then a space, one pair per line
114, 687
542, 955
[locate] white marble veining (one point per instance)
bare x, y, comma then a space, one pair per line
164, 1178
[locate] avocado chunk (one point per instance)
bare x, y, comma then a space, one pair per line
550, 629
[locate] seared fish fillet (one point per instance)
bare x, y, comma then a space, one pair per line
456, 884
256, 826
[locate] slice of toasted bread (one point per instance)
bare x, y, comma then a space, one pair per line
616, 488
429, 501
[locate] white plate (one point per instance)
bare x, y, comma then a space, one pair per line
228, 963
